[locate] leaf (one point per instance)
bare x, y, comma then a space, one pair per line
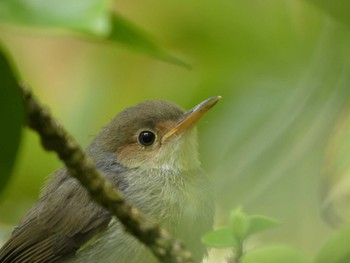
239, 223
337, 9
258, 223
88, 16
11, 116
336, 249
92, 17
131, 36
275, 254
220, 238
336, 173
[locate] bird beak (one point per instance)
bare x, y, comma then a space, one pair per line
190, 117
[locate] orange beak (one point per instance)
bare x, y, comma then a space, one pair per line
191, 117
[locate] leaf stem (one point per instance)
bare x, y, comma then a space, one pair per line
238, 252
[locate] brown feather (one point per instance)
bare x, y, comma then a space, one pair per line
61, 221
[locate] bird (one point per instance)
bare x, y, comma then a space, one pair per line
150, 153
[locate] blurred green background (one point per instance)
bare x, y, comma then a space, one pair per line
271, 145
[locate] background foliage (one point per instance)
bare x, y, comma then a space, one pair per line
277, 143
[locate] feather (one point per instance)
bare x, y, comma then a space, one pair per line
61, 221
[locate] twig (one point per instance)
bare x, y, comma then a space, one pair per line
55, 138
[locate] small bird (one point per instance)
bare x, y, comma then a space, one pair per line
149, 152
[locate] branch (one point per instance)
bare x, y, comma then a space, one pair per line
55, 138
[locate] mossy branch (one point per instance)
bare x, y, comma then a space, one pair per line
55, 138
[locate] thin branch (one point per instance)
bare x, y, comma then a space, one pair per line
55, 138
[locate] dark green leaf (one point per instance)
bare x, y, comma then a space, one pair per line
11, 116
258, 223
338, 9
132, 37
275, 254
220, 238
337, 248
89, 16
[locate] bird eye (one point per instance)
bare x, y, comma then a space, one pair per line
147, 138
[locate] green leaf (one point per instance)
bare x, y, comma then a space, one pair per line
275, 254
338, 9
258, 223
337, 248
220, 238
92, 17
88, 16
239, 223
11, 116
132, 37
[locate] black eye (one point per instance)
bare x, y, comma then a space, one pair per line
147, 138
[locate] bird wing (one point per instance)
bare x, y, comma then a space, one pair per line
61, 221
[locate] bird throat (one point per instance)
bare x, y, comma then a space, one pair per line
180, 155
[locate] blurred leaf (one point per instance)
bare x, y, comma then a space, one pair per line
89, 16
337, 249
258, 223
241, 226
127, 33
239, 223
272, 154
336, 173
338, 9
274, 254
220, 238
11, 116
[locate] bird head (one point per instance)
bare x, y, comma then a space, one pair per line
154, 135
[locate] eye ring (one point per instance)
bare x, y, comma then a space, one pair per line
146, 138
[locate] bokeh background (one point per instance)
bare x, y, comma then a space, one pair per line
277, 143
